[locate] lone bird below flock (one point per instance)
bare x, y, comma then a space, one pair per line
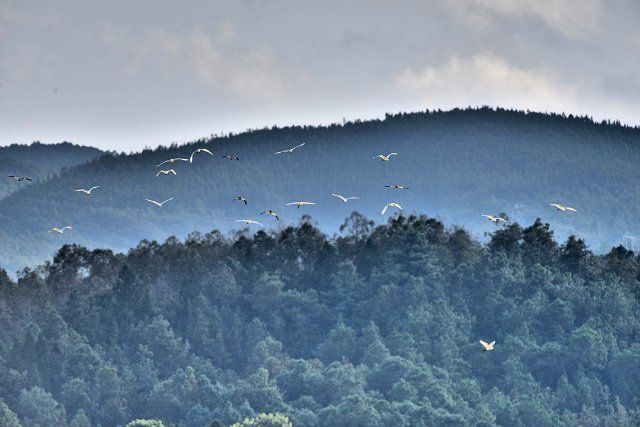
487, 346
249, 222
397, 187
231, 157
298, 204
290, 150
272, 213
199, 150
166, 172
391, 205
19, 178
60, 230
494, 219
343, 198
87, 192
241, 199
562, 208
171, 161
159, 204
385, 158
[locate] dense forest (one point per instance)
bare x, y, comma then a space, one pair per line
378, 326
39, 161
457, 164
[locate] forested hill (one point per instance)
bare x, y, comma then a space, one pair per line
39, 161
376, 328
458, 164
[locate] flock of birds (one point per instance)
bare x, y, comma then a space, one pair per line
383, 157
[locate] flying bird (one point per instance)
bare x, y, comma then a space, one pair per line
249, 222
385, 158
272, 213
343, 198
391, 205
175, 159
397, 187
494, 219
487, 346
199, 150
562, 208
87, 192
159, 204
241, 199
298, 204
231, 157
19, 178
290, 150
166, 172
60, 230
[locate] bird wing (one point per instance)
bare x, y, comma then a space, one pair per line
163, 163
67, 226
571, 209
93, 188
485, 345
556, 205
298, 146
397, 206
191, 156
385, 209
153, 201
292, 203
487, 216
499, 218
81, 189
206, 151
344, 199
167, 200
283, 151
171, 171
392, 154
53, 229
159, 173
492, 343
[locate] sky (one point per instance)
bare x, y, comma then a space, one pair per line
127, 74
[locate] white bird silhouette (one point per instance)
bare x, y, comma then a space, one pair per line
290, 150
249, 222
199, 150
166, 172
175, 159
87, 192
391, 205
487, 346
19, 178
272, 213
385, 158
60, 230
159, 204
343, 198
494, 219
241, 199
298, 204
562, 208
397, 187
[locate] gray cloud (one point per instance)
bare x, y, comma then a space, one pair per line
125, 75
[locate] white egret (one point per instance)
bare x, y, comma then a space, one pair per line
385, 158
343, 198
290, 150
199, 150
166, 172
391, 205
159, 204
87, 192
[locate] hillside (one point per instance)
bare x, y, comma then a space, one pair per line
39, 161
378, 328
458, 164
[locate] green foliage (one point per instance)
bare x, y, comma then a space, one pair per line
146, 423
378, 327
265, 420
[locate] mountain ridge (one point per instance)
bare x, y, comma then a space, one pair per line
458, 164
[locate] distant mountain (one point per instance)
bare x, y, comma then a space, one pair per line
457, 164
39, 161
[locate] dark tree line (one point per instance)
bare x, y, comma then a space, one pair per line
377, 327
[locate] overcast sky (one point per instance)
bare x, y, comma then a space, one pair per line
124, 74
